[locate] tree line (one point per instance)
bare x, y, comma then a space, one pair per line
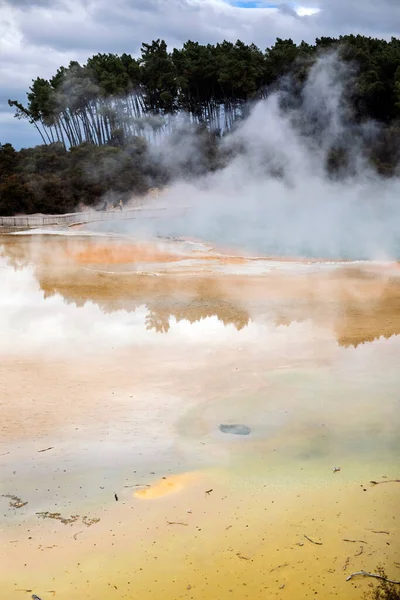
109, 110
112, 97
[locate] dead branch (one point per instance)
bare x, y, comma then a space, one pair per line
386, 481
374, 531
279, 567
242, 557
312, 541
366, 574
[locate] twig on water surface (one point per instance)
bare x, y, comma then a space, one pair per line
346, 563
209, 491
76, 534
242, 557
46, 449
386, 481
355, 541
360, 551
177, 523
375, 531
279, 567
137, 485
366, 574
312, 541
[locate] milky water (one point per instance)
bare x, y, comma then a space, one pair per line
290, 232
117, 383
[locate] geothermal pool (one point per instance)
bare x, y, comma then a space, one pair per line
120, 361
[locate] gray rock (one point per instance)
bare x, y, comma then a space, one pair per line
235, 429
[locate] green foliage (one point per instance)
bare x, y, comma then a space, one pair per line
158, 76
51, 179
113, 98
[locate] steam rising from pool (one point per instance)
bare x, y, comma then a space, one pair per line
274, 195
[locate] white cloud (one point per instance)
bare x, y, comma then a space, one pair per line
303, 11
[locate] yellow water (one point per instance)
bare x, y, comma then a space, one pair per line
119, 361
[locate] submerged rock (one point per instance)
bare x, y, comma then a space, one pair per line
235, 429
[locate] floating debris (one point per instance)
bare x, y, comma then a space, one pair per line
366, 574
279, 567
15, 502
67, 520
379, 531
360, 551
336, 469
386, 481
312, 541
235, 429
88, 522
58, 517
239, 555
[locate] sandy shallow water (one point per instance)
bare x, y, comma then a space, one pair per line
119, 362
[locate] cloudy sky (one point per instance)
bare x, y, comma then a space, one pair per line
37, 36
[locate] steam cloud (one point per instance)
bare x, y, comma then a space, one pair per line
274, 195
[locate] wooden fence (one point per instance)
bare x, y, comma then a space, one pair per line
70, 219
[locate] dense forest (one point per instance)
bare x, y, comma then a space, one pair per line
98, 122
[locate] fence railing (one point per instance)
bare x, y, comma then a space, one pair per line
69, 219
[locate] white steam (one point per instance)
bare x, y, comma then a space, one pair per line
274, 195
